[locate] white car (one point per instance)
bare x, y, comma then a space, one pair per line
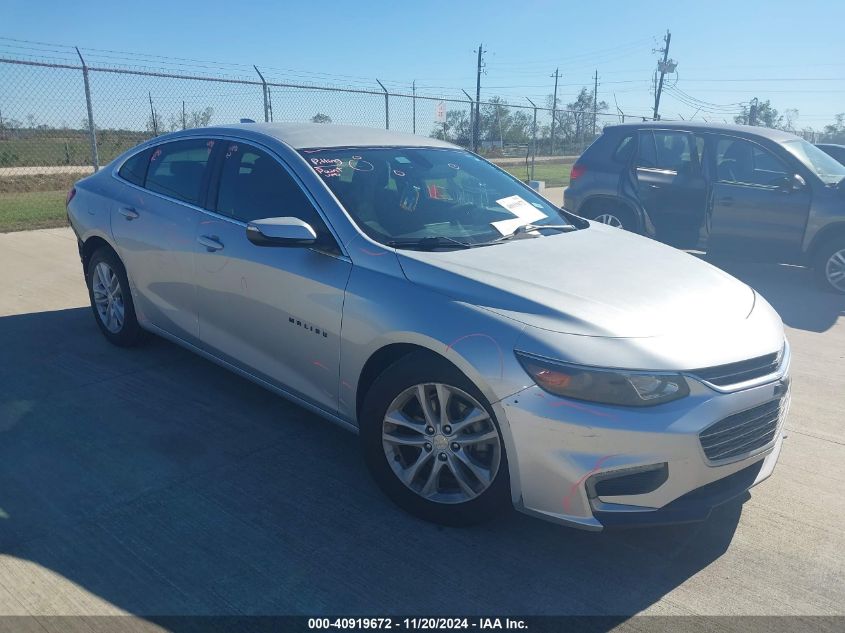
489, 348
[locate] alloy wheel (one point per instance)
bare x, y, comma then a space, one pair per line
441, 443
108, 297
609, 219
835, 270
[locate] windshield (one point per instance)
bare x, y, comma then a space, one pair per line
825, 167
399, 196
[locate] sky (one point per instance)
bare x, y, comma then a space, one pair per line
727, 52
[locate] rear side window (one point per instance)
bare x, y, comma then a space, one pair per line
646, 153
177, 169
134, 170
673, 150
253, 186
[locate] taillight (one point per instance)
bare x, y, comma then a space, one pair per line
577, 172
70, 195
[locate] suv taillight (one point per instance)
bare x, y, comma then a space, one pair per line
70, 195
577, 172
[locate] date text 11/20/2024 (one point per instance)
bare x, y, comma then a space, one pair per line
417, 623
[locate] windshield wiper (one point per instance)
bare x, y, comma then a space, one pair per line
429, 243
527, 228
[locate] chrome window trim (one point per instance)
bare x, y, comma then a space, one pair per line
225, 137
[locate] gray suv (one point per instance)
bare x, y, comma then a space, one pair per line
728, 189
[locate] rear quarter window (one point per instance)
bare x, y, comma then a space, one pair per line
134, 170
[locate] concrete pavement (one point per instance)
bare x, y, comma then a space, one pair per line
149, 481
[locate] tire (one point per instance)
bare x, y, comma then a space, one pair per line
447, 501
612, 215
115, 312
829, 265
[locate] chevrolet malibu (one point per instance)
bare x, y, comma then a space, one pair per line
488, 348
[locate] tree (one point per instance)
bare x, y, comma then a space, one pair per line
835, 132
766, 115
321, 118
574, 122
457, 129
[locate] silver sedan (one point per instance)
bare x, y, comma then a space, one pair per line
489, 348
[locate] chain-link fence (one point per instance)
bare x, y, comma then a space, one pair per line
60, 121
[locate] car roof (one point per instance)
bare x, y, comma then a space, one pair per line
312, 135
830, 145
739, 130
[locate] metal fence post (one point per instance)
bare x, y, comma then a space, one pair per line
414, 106
533, 137
92, 132
264, 92
471, 119
386, 106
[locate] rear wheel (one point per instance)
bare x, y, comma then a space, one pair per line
829, 265
111, 299
612, 215
432, 444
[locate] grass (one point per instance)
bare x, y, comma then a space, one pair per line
556, 174
26, 210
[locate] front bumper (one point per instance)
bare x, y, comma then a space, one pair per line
562, 447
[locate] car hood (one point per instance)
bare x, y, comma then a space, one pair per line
599, 281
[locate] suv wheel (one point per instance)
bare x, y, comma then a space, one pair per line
613, 216
432, 444
829, 265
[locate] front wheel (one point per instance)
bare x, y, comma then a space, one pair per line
432, 444
829, 266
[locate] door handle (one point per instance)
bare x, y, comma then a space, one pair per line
210, 242
128, 213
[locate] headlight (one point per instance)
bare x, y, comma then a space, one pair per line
608, 386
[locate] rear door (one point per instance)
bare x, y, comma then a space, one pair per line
671, 183
754, 214
272, 311
154, 224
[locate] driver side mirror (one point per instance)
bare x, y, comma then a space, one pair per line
281, 232
792, 183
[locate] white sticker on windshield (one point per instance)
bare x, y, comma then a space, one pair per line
525, 213
521, 208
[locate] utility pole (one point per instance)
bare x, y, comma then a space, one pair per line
595, 100
414, 104
752, 112
663, 67
554, 113
475, 124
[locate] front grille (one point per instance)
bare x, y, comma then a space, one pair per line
741, 433
735, 373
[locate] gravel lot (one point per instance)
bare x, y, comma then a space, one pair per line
150, 481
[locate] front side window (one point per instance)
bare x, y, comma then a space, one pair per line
744, 162
395, 194
177, 169
254, 186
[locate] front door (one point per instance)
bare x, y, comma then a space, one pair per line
154, 224
272, 311
671, 183
756, 210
